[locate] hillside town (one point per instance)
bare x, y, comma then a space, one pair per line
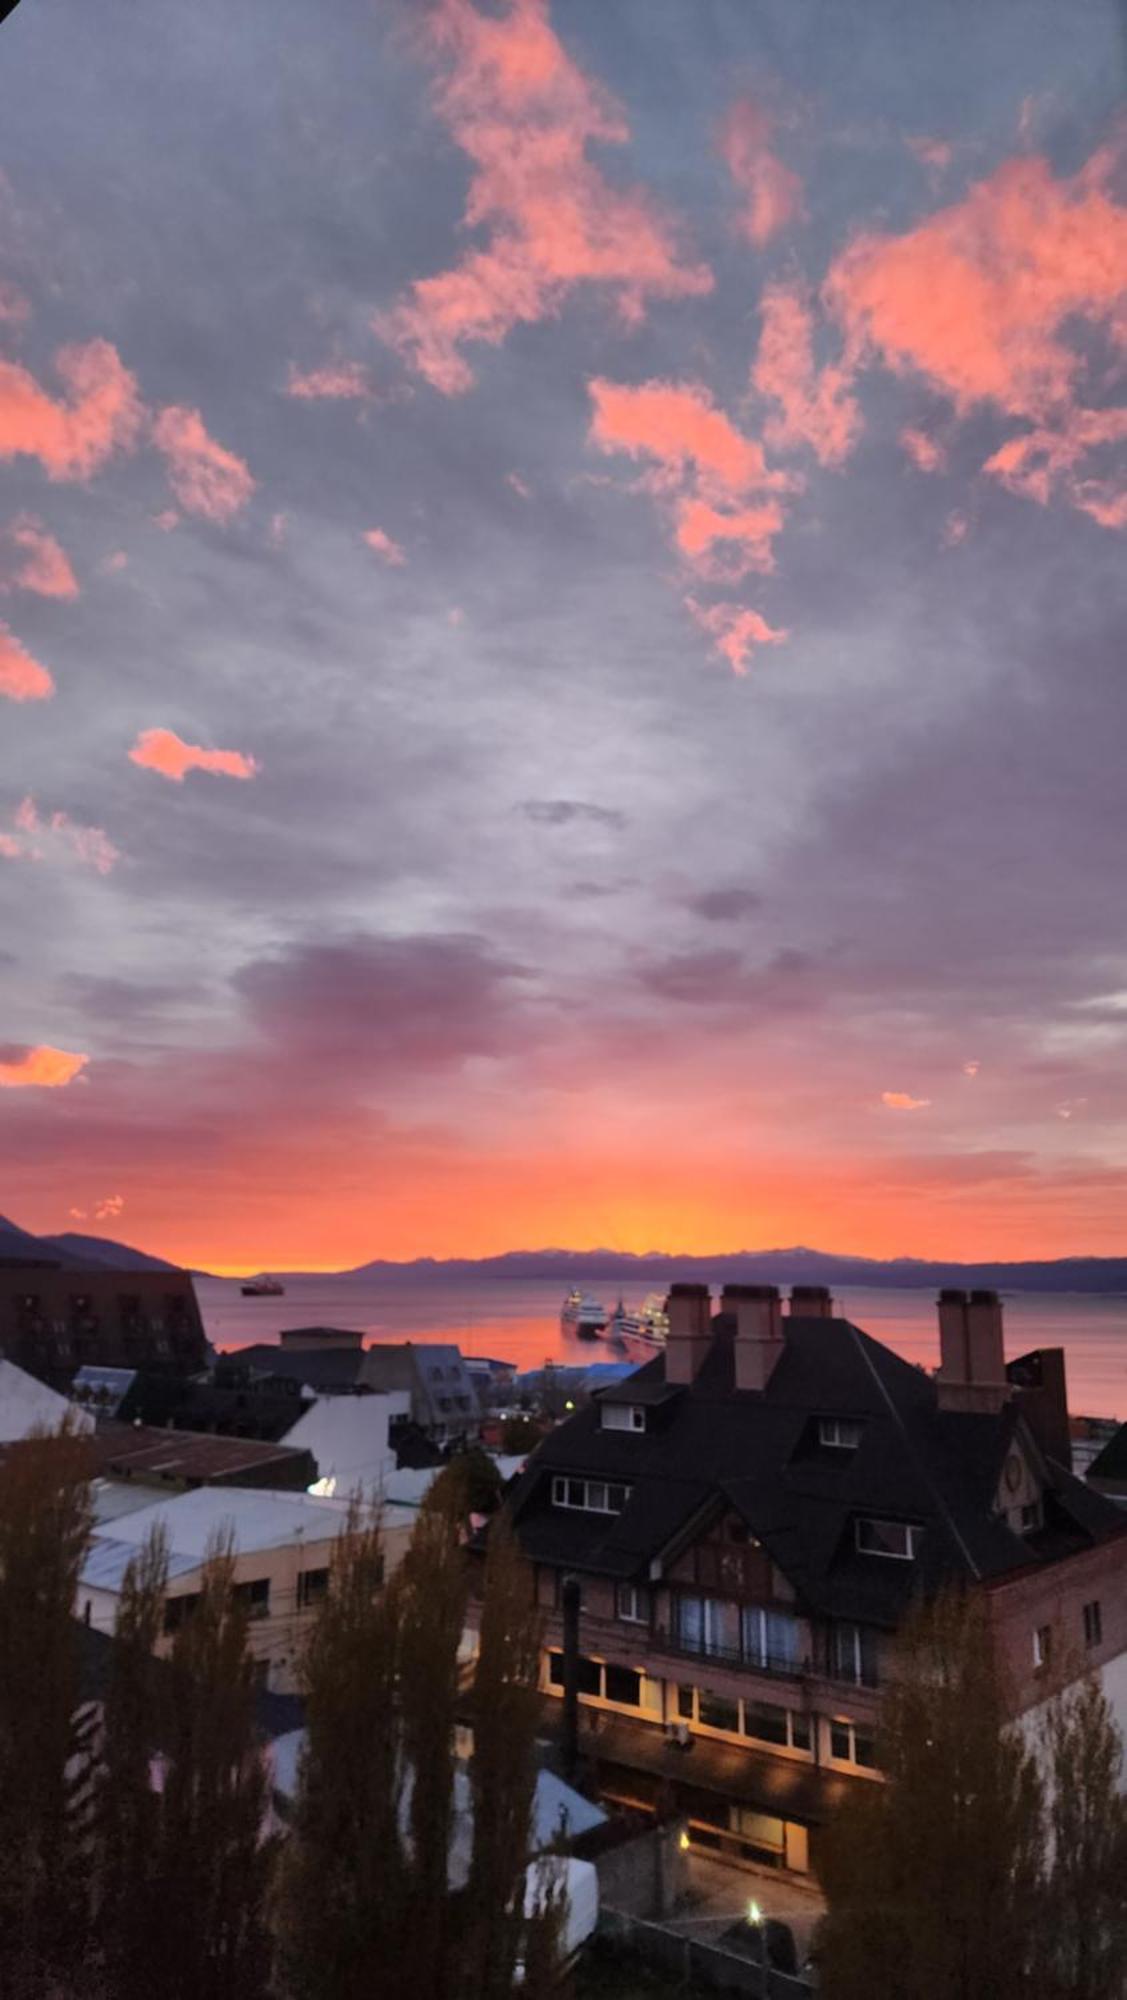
719, 1552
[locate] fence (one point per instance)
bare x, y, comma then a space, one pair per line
697, 1965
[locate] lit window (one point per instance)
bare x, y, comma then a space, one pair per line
839, 1433
600, 1679
900, 1539
1093, 1623
1042, 1645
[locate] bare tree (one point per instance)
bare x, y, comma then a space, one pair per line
1083, 1929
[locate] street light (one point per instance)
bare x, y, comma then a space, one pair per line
755, 1919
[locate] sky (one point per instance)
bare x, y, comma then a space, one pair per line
562, 592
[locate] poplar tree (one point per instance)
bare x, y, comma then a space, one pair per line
128, 1831
213, 1861
1083, 1930
45, 1525
505, 1710
932, 1877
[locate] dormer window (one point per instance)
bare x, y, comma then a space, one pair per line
589, 1496
623, 1417
899, 1539
839, 1433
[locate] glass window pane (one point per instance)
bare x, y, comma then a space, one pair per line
765, 1721
717, 1712
840, 1733
864, 1751
782, 1639
623, 1684
753, 1635
597, 1495
555, 1669
799, 1731
590, 1676
691, 1622
685, 1702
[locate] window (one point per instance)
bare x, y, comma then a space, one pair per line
888, 1538
1093, 1623
685, 1702
312, 1586
839, 1433
622, 1684
633, 1604
1032, 1517
255, 1595
593, 1496
716, 1711
1042, 1645
622, 1417
765, 1721
604, 1680
709, 1625
770, 1638
851, 1745
853, 1655
177, 1609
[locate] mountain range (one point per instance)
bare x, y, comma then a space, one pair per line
651, 1270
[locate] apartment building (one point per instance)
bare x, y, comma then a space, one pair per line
56, 1319
283, 1544
751, 1515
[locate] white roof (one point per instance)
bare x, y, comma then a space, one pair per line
27, 1405
348, 1437
258, 1518
409, 1487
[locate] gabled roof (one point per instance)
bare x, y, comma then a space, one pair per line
758, 1453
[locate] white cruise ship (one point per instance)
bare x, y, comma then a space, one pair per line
583, 1316
642, 1332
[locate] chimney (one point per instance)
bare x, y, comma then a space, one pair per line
811, 1302
690, 1331
1042, 1392
972, 1359
759, 1337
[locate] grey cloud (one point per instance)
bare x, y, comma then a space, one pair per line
723, 906
566, 812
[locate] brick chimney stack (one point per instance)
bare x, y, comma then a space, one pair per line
811, 1302
972, 1352
759, 1335
690, 1331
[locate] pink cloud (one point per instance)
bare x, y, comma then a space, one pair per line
982, 301
166, 520
926, 455
56, 837
971, 1068
109, 1206
335, 380
712, 477
206, 478
955, 529
384, 546
39, 1068
21, 677
518, 485
162, 750
816, 406
773, 191
40, 565
899, 1100
734, 630
114, 563
71, 439
526, 115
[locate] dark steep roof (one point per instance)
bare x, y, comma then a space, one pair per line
711, 1446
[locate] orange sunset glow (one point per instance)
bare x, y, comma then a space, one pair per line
561, 631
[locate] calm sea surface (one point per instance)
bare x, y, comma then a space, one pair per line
518, 1320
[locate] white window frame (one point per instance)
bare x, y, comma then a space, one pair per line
839, 1722
910, 1530
840, 1433
637, 1595
563, 1481
627, 1417
1042, 1645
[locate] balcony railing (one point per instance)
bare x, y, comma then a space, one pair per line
782, 1665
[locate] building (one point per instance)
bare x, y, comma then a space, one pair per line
283, 1547
27, 1405
1106, 1460
56, 1319
749, 1518
147, 1461
328, 1361
348, 1436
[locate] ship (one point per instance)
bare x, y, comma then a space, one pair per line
640, 1333
583, 1316
263, 1288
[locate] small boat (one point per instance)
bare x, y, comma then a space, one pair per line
643, 1333
263, 1288
583, 1316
